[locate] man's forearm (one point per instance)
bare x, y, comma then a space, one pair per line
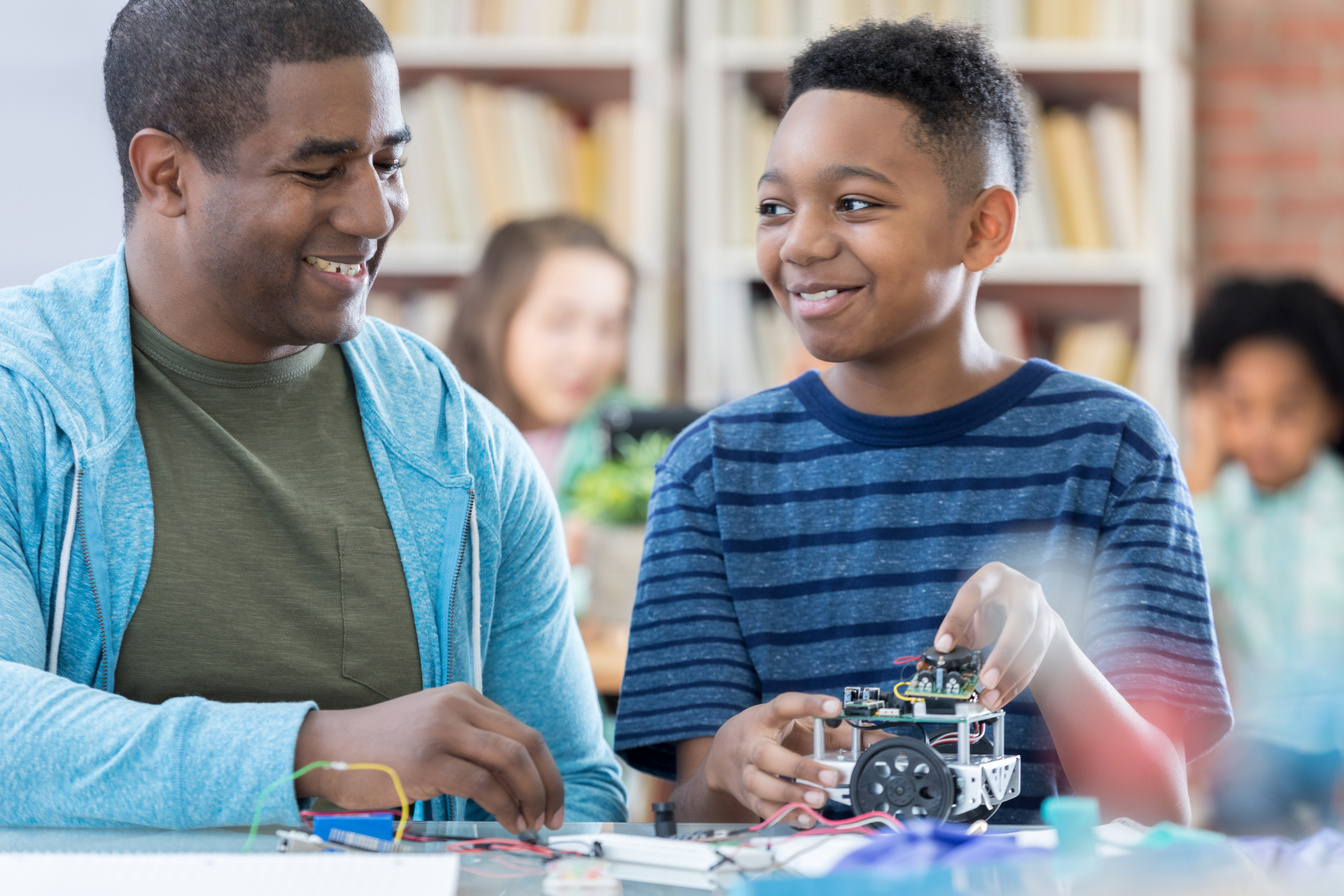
1109, 748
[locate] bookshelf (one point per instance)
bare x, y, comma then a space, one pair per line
526, 107
1116, 70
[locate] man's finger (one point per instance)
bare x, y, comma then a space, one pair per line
538, 784
958, 626
458, 777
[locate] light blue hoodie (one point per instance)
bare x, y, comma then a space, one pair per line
474, 519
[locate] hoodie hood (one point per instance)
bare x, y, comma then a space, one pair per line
88, 382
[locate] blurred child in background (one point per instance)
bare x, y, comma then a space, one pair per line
540, 330
1268, 419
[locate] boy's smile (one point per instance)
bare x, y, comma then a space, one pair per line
860, 242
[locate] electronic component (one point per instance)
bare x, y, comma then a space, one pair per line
664, 819
909, 775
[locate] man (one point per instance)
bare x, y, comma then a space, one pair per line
213, 522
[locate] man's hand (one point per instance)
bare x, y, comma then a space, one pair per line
999, 604
446, 740
748, 759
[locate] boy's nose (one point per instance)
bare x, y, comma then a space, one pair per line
810, 238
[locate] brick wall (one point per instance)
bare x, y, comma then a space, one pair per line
1269, 138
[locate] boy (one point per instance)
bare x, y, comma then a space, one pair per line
923, 491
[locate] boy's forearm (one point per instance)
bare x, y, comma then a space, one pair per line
696, 802
1109, 748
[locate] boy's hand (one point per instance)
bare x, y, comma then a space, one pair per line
999, 604
448, 739
748, 760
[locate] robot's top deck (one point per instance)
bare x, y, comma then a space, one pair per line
943, 684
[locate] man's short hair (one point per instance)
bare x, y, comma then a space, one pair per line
199, 69
967, 105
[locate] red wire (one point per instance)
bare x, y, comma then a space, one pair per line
819, 819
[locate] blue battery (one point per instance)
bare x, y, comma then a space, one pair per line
371, 824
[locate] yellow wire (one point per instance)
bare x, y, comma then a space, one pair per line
896, 689
396, 782
340, 767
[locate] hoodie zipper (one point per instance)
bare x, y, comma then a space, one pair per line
452, 599
93, 587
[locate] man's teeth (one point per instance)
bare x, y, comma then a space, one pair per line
333, 267
814, 296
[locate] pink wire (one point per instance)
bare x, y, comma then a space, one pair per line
817, 817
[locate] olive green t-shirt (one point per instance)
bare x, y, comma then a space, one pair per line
275, 575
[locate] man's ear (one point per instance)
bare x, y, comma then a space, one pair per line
993, 218
157, 159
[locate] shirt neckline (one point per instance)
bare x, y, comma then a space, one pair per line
919, 429
166, 353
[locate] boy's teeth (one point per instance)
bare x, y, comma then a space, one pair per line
814, 296
332, 267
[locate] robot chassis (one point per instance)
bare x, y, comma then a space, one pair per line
908, 776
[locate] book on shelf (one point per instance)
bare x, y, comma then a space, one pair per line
1116, 20
1086, 189
517, 18
1102, 348
748, 129
484, 154
1096, 20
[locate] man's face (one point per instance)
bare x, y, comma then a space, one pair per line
857, 237
287, 242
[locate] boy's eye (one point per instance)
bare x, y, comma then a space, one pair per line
771, 209
851, 204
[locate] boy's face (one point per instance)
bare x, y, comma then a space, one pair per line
858, 239
1277, 414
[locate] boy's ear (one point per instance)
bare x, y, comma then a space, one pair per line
157, 159
993, 217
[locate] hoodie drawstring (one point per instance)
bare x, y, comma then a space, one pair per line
63, 574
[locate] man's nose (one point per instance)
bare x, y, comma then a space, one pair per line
371, 204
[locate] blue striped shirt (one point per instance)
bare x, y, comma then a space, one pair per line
795, 544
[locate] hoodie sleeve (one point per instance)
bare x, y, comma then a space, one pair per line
535, 664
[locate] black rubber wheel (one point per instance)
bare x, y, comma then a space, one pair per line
903, 777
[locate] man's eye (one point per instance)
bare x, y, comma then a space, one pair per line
850, 204
390, 168
771, 209
317, 176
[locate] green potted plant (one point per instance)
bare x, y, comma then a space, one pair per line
613, 500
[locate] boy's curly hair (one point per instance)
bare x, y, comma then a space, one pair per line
1298, 311
967, 104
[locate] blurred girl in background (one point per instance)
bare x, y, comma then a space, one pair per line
540, 330
1268, 423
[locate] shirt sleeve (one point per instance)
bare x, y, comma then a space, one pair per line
1148, 624
535, 665
688, 670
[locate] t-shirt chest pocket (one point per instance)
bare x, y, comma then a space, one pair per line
379, 648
